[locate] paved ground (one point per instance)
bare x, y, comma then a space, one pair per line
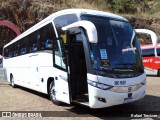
22, 99
2, 76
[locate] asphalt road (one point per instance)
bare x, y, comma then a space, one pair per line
22, 99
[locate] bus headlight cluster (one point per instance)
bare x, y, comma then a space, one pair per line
143, 82
99, 85
126, 89
120, 89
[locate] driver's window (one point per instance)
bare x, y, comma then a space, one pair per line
59, 56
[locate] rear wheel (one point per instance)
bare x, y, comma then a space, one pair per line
52, 93
12, 81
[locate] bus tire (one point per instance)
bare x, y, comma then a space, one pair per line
158, 73
12, 81
52, 93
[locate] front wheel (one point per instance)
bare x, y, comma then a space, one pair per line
52, 93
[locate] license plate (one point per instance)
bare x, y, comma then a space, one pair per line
126, 100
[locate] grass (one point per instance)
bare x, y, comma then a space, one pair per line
155, 8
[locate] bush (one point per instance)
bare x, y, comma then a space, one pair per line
127, 6
156, 7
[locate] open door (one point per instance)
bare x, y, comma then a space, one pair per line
79, 57
61, 72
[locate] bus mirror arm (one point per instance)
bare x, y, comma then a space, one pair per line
154, 38
88, 26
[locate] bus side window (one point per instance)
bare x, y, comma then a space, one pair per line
58, 60
48, 44
33, 41
15, 53
34, 47
10, 54
148, 52
47, 36
10, 51
23, 51
23, 47
6, 52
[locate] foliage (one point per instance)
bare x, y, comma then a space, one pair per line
127, 6
156, 7
119, 6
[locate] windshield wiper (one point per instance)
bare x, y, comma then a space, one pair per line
105, 69
125, 64
132, 66
116, 69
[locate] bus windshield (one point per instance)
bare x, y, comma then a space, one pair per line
117, 53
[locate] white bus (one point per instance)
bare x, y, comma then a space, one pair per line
78, 55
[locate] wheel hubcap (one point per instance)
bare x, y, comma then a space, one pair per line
53, 92
12, 82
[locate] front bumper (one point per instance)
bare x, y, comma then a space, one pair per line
99, 98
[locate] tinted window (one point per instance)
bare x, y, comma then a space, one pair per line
5, 52
15, 50
38, 40
11, 51
47, 36
58, 56
64, 20
150, 52
117, 52
33, 41
23, 46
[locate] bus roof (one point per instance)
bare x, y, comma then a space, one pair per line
88, 11
63, 12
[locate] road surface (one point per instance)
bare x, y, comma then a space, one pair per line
22, 99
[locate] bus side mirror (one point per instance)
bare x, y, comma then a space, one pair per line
154, 38
88, 26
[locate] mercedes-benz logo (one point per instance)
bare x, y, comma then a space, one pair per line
129, 89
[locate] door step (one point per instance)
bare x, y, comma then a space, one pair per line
82, 103
85, 103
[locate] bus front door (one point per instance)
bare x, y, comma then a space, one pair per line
61, 74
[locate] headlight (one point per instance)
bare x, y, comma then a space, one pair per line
120, 89
143, 82
99, 85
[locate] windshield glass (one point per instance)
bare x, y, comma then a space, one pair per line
117, 51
